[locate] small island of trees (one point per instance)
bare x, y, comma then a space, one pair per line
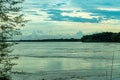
102, 37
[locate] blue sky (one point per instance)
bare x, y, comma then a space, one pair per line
70, 18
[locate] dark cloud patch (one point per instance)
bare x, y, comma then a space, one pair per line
105, 14
60, 4
56, 11
99, 15
55, 15
74, 19
92, 6
53, 9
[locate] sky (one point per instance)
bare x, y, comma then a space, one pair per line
69, 18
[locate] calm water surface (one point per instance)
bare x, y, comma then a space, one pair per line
52, 56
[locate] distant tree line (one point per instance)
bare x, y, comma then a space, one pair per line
102, 37
47, 40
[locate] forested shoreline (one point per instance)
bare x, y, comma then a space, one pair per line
102, 37
97, 37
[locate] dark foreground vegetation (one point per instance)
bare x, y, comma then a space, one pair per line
10, 23
102, 37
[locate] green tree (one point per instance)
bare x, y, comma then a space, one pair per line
10, 23
102, 37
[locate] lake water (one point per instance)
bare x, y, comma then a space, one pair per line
35, 57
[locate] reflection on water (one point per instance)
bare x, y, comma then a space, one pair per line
35, 57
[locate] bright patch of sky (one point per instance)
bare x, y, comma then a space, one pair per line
69, 18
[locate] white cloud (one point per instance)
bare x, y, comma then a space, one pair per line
76, 8
36, 15
110, 9
79, 14
111, 21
